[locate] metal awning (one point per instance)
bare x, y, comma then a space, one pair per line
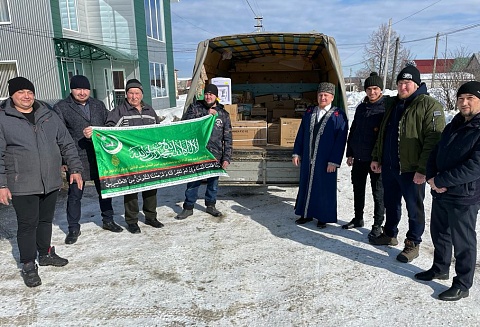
75, 49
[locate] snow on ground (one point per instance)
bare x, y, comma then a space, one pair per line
253, 267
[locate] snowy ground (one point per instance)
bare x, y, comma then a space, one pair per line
253, 267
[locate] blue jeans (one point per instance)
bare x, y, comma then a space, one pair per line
396, 186
191, 194
74, 206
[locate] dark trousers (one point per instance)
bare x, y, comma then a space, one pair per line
396, 186
130, 202
34, 218
454, 225
74, 205
191, 194
360, 171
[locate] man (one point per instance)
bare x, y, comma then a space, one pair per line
219, 144
33, 141
134, 112
360, 143
410, 130
318, 149
79, 111
453, 173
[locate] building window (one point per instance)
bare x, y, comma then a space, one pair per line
68, 13
4, 12
8, 70
158, 81
154, 19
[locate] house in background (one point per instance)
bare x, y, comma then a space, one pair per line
473, 65
447, 71
110, 42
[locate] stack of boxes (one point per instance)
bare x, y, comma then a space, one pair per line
264, 119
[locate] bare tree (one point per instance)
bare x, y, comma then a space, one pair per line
455, 74
375, 54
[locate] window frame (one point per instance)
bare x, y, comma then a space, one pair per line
69, 19
9, 16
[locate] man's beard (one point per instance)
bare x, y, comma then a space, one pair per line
209, 105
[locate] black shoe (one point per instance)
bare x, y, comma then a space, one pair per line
133, 228
321, 225
30, 274
213, 211
154, 223
376, 231
354, 224
72, 236
452, 294
51, 259
301, 220
429, 275
111, 226
184, 214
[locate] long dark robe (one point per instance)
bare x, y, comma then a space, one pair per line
319, 144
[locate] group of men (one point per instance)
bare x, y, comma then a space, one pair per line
37, 143
402, 143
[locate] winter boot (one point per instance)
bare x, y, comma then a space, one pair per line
51, 259
30, 274
213, 211
355, 223
154, 223
409, 253
383, 239
184, 214
375, 232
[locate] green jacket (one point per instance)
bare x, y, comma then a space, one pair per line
419, 131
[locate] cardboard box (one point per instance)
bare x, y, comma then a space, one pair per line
264, 98
245, 109
249, 133
232, 109
283, 104
286, 113
273, 133
259, 111
310, 96
288, 131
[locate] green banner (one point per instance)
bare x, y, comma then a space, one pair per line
135, 159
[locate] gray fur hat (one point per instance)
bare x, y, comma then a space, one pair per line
326, 87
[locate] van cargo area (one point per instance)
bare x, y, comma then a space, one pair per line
266, 81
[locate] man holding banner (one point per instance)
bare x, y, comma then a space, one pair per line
219, 144
135, 112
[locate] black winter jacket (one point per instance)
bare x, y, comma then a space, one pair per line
220, 142
76, 121
126, 115
31, 154
364, 130
455, 162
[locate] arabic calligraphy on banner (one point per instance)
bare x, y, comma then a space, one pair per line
135, 159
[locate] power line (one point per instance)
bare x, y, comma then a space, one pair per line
401, 20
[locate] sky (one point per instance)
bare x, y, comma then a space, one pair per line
350, 22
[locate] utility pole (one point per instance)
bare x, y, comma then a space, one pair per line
259, 25
435, 60
350, 78
388, 49
397, 45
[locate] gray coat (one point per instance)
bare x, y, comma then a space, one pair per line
76, 121
31, 155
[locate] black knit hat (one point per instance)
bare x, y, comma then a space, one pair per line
373, 80
472, 87
131, 83
19, 83
410, 72
211, 88
79, 82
